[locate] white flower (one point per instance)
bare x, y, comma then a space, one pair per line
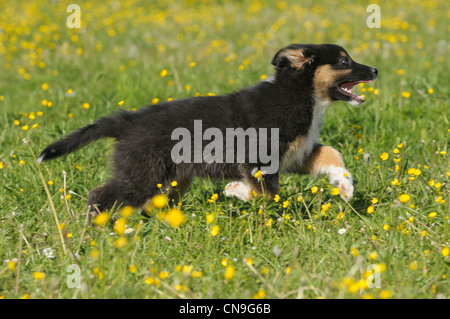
276, 251
48, 252
129, 230
342, 231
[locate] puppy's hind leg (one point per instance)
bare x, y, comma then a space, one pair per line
244, 189
105, 197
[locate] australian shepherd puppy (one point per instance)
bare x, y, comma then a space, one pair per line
181, 139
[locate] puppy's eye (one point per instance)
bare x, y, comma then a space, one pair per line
345, 62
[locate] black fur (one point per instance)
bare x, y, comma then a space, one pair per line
142, 156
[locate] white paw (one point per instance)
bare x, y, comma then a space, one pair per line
343, 180
239, 190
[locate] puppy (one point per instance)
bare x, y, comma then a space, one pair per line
291, 104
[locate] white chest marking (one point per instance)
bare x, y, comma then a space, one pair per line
302, 148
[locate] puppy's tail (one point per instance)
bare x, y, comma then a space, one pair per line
103, 127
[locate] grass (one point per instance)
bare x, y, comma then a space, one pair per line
306, 245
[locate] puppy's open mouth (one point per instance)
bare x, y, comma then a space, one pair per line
346, 89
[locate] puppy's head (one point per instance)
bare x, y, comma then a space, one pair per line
329, 68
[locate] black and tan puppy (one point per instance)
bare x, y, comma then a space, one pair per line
290, 103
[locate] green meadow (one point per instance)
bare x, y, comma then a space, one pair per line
391, 241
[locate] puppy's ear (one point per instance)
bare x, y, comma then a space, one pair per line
289, 57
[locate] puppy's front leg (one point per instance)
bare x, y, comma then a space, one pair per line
325, 160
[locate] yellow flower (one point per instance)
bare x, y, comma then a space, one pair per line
258, 174
210, 218
11, 265
25, 128
120, 242
101, 219
432, 214
277, 198
126, 211
261, 294
149, 280
215, 230
370, 209
384, 156
95, 253
174, 184
423, 233
196, 274
119, 226
406, 94
374, 200
187, 269
224, 262
38, 275
335, 191
430, 91
386, 227
159, 201
229, 272
86, 105
163, 73
175, 218
285, 204
373, 256
445, 251
132, 269
44, 86
163, 274
413, 266
314, 189
404, 198
354, 252
121, 103
385, 294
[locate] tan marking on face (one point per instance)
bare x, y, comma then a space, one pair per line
323, 156
343, 54
295, 57
325, 77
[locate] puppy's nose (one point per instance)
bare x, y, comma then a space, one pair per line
374, 71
